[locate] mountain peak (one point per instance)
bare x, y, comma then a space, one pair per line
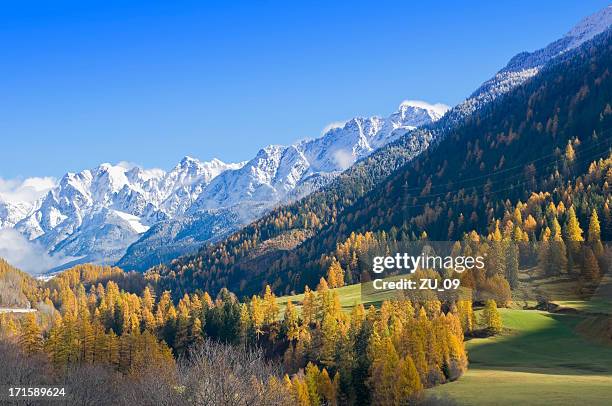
188, 160
589, 27
438, 109
271, 150
216, 162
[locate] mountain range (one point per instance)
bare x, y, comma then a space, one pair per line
99, 214
136, 218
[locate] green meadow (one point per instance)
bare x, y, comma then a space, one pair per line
349, 296
540, 359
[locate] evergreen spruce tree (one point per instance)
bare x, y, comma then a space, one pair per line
512, 264
590, 267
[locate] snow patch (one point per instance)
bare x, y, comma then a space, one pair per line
133, 221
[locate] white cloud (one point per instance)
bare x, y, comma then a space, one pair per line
28, 190
343, 158
438, 108
332, 125
127, 165
26, 255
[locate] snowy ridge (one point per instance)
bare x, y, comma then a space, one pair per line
525, 65
98, 212
277, 170
11, 213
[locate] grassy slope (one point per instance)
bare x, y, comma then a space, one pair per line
349, 296
499, 387
540, 360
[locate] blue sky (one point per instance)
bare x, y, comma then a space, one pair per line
149, 82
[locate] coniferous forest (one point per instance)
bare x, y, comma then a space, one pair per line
275, 313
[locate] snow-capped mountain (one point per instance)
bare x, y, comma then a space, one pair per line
361, 136
96, 213
277, 174
525, 65
277, 170
141, 217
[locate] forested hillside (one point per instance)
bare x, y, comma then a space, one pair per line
289, 225
536, 139
17, 289
101, 320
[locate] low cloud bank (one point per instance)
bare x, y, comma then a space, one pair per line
26, 255
344, 158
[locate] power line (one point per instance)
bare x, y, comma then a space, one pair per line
452, 191
522, 165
